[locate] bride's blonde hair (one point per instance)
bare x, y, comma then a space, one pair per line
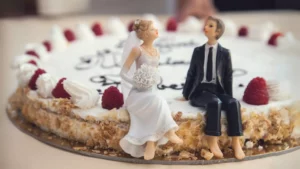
141, 27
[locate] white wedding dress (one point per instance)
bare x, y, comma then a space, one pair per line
150, 115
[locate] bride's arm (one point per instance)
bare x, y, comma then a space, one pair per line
134, 54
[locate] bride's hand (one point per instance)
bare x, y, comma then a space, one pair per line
180, 99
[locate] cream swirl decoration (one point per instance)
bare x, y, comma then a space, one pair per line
145, 77
22, 59
45, 84
81, 96
25, 73
83, 32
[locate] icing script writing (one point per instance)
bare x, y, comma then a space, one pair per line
109, 60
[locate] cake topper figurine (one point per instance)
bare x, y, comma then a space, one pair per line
151, 122
209, 85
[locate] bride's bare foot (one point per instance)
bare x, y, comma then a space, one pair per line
214, 147
171, 135
238, 151
149, 150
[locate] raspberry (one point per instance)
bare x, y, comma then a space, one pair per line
97, 29
70, 36
130, 26
59, 91
172, 24
35, 76
256, 92
273, 39
32, 62
32, 53
243, 31
112, 98
48, 46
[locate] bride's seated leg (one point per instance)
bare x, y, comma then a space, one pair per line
171, 135
149, 150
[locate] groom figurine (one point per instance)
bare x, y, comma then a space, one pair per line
209, 85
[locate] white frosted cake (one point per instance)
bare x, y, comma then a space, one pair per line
91, 64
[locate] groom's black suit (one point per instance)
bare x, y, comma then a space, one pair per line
214, 96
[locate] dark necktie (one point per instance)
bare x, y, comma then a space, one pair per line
209, 68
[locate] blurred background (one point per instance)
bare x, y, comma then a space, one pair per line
29, 21
9, 8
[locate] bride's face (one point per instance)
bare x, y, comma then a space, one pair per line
152, 32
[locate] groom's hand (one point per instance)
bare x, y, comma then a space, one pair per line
180, 99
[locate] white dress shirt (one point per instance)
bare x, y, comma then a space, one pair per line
214, 55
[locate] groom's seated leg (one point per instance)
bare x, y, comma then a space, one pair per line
233, 113
213, 107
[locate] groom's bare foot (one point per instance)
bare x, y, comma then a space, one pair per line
214, 147
238, 151
171, 135
149, 150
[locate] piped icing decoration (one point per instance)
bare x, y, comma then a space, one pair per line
97, 29
230, 28
83, 32
47, 45
45, 84
262, 31
59, 90
191, 24
57, 39
112, 98
26, 71
116, 27
286, 40
130, 26
20, 60
274, 37
172, 24
256, 92
81, 96
156, 23
69, 34
243, 31
278, 91
32, 82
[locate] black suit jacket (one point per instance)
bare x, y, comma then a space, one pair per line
195, 73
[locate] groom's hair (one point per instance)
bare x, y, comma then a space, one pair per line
220, 26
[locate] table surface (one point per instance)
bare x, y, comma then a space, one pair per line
18, 150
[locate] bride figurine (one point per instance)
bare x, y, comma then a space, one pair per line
151, 122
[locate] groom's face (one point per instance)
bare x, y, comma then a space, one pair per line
210, 29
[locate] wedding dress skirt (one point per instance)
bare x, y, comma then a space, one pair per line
150, 117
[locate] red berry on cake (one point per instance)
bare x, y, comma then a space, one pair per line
256, 92
273, 39
172, 24
130, 26
243, 31
112, 98
70, 36
97, 29
59, 91
32, 62
32, 82
32, 53
47, 44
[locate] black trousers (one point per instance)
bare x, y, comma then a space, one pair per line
207, 96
